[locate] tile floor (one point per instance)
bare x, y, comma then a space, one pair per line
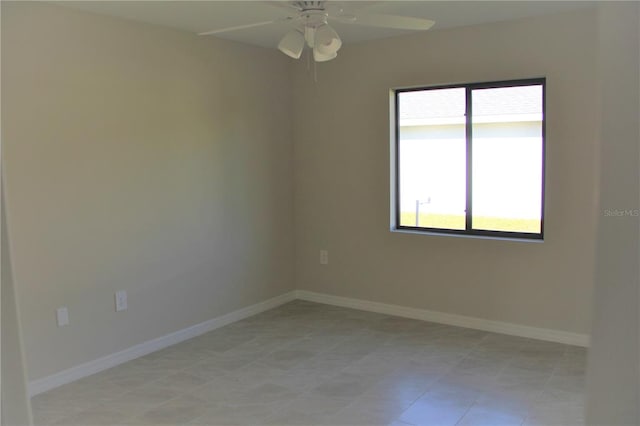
310, 364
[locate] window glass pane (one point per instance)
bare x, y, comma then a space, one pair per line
507, 151
432, 158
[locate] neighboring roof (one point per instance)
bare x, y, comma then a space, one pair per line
435, 103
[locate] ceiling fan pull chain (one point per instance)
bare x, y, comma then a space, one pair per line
315, 72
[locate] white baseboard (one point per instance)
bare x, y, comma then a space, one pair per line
83, 370
449, 319
97, 365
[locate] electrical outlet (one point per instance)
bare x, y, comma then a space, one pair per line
62, 316
324, 257
121, 300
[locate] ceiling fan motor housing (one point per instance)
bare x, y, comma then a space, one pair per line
304, 6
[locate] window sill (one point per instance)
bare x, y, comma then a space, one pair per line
478, 237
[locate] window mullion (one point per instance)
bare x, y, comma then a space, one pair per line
468, 136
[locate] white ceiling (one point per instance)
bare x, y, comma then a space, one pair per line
200, 16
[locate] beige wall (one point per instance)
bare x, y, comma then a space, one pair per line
341, 135
614, 358
154, 161
143, 159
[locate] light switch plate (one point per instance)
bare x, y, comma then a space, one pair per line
324, 257
62, 316
121, 300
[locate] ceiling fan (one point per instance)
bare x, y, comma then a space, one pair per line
310, 21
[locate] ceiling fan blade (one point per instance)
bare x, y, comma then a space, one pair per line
389, 21
242, 27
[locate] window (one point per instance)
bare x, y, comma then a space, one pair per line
469, 159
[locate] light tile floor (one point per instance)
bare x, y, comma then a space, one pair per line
310, 364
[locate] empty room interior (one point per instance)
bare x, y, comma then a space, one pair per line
320, 213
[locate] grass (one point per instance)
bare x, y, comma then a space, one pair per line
443, 221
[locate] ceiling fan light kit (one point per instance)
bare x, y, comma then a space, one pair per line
313, 30
320, 57
292, 44
327, 40
323, 40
